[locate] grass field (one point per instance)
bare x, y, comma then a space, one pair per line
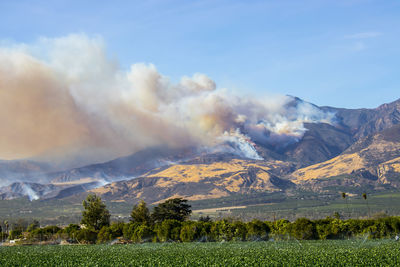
287, 253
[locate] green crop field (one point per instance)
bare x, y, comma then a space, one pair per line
287, 253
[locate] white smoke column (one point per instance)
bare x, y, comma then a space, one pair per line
241, 144
66, 97
28, 191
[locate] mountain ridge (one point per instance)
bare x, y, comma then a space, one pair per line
363, 144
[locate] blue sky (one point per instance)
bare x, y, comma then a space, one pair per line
338, 53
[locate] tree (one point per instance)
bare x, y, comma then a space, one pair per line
104, 235
205, 219
34, 225
95, 214
172, 209
143, 233
347, 204
304, 229
336, 215
168, 230
256, 229
140, 214
364, 195
6, 225
188, 231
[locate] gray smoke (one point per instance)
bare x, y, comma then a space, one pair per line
64, 98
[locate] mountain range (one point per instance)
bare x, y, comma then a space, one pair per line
359, 151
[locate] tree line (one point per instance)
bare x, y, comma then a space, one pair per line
169, 222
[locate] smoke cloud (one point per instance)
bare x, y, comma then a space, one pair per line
66, 98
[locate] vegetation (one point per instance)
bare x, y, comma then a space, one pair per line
95, 216
284, 253
140, 214
364, 195
168, 222
172, 209
262, 206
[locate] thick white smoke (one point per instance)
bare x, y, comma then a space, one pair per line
28, 191
65, 96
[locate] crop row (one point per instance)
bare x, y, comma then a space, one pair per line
309, 253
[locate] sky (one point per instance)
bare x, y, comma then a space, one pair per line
337, 53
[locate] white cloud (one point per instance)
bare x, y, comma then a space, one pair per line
363, 35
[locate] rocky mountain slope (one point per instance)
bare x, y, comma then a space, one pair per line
200, 181
360, 150
373, 161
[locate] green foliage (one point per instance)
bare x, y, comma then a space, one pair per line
188, 232
203, 231
222, 230
287, 253
257, 230
129, 229
117, 229
324, 229
239, 231
280, 229
95, 214
172, 209
168, 230
140, 214
303, 229
205, 219
34, 225
336, 215
3, 236
104, 235
71, 229
86, 236
143, 233
44, 234
70, 232
15, 234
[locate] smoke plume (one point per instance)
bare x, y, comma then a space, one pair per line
66, 97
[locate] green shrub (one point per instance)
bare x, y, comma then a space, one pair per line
15, 234
104, 235
86, 236
168, 230
143, 233
257, 230
304, 229
188, 232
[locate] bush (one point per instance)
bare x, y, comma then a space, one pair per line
239, 231
257, 230
104, 235
129, 230
143, 233
71, 229
280, 229
168, 230
44, 234
86, 236
117, 229
222, 230
203, 231
303, 228
15, 234
34, 225
188, 232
